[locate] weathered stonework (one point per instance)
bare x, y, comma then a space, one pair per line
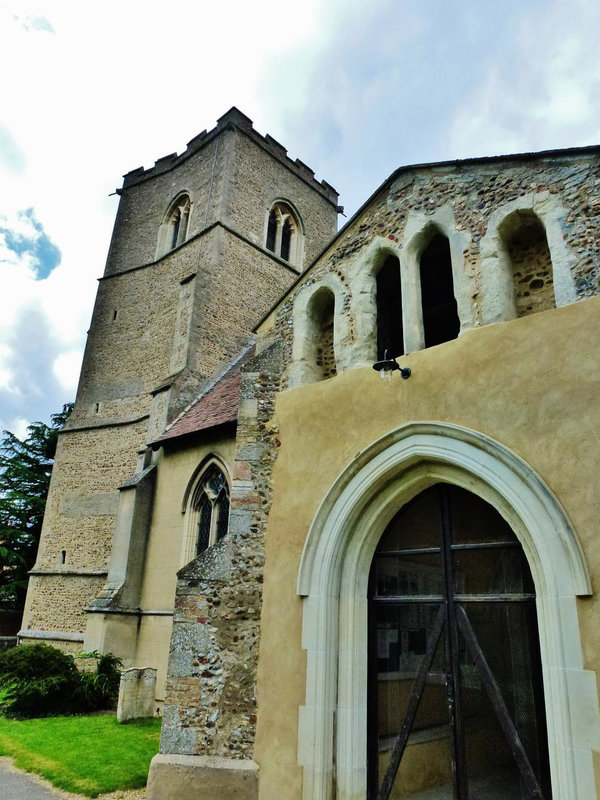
210, 706
463, 200
265, 695
161, 327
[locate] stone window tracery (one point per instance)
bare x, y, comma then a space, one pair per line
174, 229
207, 512
283, 236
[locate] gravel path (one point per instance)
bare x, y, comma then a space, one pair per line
18, 785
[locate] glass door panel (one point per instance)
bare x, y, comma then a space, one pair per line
456, 699
402, 635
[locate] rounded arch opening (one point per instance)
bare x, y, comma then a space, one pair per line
321, 322
334, 578
523, 236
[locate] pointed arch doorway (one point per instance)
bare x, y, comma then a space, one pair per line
456, 708
334, 577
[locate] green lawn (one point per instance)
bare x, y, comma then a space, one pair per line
85, 755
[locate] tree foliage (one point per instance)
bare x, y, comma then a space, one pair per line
25, 469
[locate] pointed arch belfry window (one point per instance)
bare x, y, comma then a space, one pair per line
207, 512
174, 229
284, 233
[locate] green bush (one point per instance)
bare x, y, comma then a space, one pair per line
40, 681
100, 689
37, 681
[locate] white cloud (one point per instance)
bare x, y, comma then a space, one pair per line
92, 90
546, 95
66, 367
19, 427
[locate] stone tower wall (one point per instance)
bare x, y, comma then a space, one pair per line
159, 329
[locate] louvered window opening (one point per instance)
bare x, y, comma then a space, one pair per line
286, 239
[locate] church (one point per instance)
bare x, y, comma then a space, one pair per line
339, 488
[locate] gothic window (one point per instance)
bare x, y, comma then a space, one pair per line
440, 314
283, 237
389, 310
454, 660
211, 502
174, 229
207, 512
524, 238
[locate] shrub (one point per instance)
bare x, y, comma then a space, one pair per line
100, 689
40, 681
36, 681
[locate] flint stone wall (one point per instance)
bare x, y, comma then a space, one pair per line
210, 706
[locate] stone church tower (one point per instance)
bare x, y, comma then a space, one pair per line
204, 244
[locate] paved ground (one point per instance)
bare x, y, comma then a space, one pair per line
17, 785
20, 786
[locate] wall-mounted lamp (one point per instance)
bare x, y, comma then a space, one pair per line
386, 366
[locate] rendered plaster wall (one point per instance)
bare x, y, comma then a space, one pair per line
531, 384
177, 466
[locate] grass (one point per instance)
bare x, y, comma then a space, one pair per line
84, 755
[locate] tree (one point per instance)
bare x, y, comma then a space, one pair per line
25, 469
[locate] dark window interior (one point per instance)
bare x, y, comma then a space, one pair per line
390, 334
272, 231
286, 239
440, 315
176, 224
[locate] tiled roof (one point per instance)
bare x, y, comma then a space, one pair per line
217, 405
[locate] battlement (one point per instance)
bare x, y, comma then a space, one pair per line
232, 119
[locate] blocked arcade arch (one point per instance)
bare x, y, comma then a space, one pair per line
311, 306
333, 581
498, 296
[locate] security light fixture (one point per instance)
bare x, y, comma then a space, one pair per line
386, 366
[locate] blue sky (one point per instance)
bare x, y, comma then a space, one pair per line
354, 89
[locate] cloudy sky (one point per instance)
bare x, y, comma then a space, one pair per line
93, 89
